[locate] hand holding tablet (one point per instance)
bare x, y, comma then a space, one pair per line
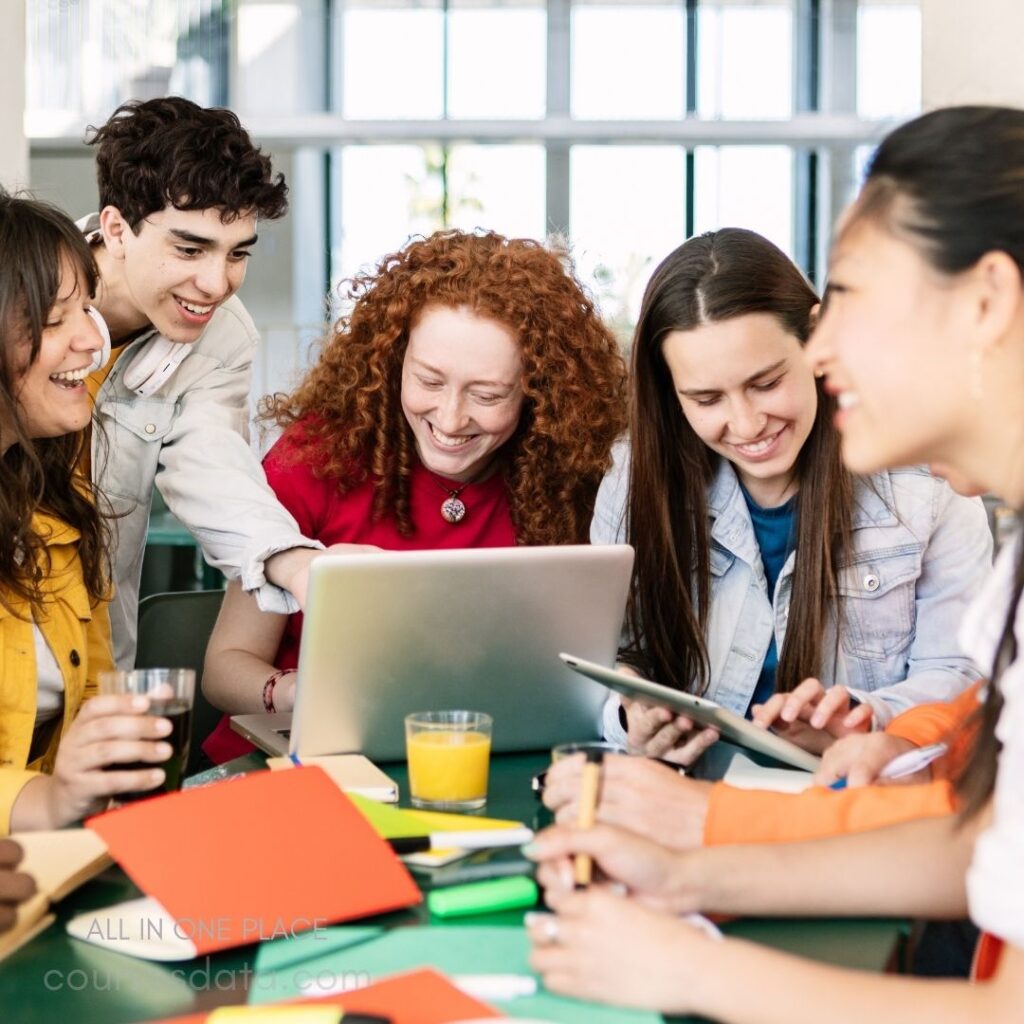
702, 711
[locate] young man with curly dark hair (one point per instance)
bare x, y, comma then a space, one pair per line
182, 189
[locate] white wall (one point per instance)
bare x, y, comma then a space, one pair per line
69, 181
14, 150
972, 52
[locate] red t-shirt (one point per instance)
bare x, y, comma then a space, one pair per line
325, 515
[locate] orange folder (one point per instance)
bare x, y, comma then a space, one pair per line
416, 997
240, 861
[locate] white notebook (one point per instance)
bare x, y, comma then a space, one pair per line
746, 774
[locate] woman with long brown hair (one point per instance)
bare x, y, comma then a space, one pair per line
469, 399
63, 751
763, 567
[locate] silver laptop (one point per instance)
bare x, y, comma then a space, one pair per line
387, 634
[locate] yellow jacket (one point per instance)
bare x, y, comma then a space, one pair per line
79, 637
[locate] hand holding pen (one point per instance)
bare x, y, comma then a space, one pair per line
908, 763
590, 791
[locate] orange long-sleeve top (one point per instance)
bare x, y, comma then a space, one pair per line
756, 816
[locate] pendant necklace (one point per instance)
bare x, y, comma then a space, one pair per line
453, 508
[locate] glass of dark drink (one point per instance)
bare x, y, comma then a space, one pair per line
170, 692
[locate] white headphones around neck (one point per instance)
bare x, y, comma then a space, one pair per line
154, 365
100, 358
151, 368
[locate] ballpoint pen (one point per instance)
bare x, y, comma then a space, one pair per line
905, 764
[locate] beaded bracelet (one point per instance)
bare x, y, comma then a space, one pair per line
268, 689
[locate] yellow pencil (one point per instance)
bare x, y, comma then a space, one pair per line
590, 788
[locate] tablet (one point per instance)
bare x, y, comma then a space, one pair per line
703, 711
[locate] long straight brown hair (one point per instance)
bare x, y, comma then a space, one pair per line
712, 278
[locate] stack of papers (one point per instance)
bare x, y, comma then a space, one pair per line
395, 823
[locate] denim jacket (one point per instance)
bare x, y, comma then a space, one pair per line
921, 553
190, 439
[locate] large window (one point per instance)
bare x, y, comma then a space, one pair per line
621, 126
628, 209
628, 61
747, 187
745, 60
390, 192
392, 62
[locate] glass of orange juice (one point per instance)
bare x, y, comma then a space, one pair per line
449, 753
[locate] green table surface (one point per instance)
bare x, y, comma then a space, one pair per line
57, 978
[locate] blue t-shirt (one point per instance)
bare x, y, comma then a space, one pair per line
775, 531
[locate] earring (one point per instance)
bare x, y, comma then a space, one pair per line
818, 374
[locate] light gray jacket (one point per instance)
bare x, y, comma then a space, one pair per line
190, 438
921, 553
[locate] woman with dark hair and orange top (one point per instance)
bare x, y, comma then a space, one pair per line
922, 345
469, 399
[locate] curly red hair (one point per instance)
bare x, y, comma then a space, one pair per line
574, 379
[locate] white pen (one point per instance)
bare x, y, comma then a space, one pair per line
912, 761
498, 987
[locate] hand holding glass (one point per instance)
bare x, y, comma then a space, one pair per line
170, 692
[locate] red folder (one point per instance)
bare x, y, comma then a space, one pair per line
267, 855
416, 997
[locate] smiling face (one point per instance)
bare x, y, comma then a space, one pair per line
174, 273
891, 343
747, 392
50, 392
461, 390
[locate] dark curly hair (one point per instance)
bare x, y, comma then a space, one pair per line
171, 152
38, 474
574, 379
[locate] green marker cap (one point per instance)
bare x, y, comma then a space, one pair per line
483, 897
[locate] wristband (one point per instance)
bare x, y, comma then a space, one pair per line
268, 689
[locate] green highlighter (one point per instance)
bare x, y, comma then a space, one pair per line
483, 897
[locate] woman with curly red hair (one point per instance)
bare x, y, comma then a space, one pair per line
470, 398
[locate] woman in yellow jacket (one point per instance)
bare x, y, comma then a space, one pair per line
55, 745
